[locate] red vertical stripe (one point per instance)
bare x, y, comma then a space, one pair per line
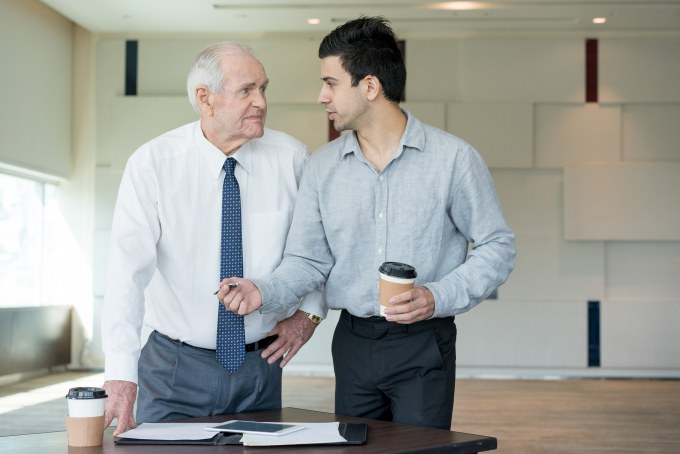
332, 133
591, 70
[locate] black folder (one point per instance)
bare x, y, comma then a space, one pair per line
355, 434
217, 440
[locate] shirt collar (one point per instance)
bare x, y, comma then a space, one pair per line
414, 137
214, 156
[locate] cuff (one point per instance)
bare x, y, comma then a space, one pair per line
121, 366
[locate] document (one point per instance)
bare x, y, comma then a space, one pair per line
313, 433
170, 431
196, 433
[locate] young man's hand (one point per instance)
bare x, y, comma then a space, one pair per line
241, 299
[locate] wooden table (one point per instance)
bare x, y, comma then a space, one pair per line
383, 437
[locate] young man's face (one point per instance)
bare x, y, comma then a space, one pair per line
240, 110
343, 103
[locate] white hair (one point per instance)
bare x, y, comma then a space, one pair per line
207, 68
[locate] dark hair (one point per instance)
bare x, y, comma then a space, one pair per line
367, 46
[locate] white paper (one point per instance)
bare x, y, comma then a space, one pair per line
313, 433
171, 431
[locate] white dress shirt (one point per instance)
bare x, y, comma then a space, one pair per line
164, 258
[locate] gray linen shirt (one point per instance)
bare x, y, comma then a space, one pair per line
433, 206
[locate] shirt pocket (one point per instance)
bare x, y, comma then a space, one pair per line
422, 222
266, 238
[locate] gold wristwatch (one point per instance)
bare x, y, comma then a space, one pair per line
315, 319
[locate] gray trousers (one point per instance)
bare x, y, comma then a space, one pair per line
393, 372
180, 381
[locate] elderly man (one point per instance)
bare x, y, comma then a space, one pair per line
207, 200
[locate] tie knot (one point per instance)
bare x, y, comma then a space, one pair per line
229, 166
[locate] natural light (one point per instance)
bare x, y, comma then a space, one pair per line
37, 396
42, 261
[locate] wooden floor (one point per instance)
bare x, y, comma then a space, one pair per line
526, 416
572, 416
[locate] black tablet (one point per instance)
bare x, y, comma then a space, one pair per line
255, 427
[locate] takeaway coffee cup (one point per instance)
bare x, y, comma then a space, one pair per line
395, 278
85, 420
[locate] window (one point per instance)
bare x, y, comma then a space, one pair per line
25, 239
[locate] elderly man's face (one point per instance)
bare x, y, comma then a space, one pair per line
240, 110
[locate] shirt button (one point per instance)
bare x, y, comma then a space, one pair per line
380, 251
381, 178
380, 214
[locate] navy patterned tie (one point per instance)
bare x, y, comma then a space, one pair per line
231, 337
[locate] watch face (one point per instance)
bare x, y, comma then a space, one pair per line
315, 319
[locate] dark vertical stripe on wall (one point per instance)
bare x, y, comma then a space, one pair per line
131, 68
593, 334
332, 133
591, 70
402, 47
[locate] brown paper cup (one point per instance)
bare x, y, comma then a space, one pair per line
391, 286
87, 431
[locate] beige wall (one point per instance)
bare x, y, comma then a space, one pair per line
584, 186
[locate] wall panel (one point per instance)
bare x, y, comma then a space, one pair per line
581, 132
549, 268
643, 271
537, 333
650, 132
641, 334
513, 69
424, 60
501, 132
531, 200
622, 201
639, 70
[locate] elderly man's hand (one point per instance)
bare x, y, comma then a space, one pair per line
293, 333
119, 403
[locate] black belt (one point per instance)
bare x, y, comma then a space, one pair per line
378, 326
261, 344
252, 347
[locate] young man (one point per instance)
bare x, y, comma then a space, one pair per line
210, 199
394, 189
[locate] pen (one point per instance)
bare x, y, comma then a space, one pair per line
232, 285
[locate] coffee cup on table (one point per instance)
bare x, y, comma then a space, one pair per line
85, 420
395, 278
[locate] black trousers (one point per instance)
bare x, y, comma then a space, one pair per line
394, 372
